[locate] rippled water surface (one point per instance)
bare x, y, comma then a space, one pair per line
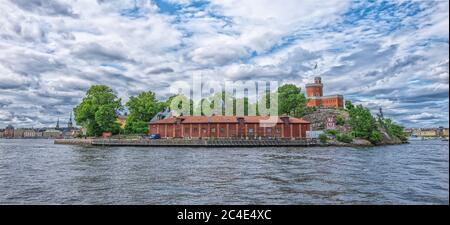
39, 172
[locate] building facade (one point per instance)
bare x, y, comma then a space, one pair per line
427, 132
314, 94
29, 133
9, 132
18, 133
229, 127
445, 132
52, 133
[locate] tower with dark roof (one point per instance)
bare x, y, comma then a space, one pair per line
70, 124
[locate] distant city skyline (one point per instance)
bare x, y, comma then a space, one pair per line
59, 122
389, 54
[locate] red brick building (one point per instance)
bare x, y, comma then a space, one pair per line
228, 127
314, 93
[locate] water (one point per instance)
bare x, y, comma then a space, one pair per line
39, 172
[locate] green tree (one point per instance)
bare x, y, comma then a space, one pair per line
363, 124
97, 110
394, 129
135, 126
291, 101
106, 118
349, 105
142, 109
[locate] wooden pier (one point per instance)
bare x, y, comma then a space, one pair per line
193, 142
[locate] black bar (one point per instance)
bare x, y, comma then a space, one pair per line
226, 214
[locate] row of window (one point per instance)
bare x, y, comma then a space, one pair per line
222, 130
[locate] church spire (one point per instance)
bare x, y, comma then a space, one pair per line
69, 124
57, 124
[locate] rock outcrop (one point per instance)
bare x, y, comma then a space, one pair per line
318, 120
387, 139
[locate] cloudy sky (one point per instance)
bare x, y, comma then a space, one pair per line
393, 54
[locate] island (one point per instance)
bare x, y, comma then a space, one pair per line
303, 120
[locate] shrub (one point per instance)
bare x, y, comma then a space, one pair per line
375, 137
332, 132
323, 138
394, 129
340, 121
346, 138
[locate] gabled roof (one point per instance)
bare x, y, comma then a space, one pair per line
223, 119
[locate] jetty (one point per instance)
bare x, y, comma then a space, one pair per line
192, 142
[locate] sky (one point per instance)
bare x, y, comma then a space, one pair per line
389, 54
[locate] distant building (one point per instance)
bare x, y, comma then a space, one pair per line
70, 124
40, 133
52, 133
64, 132
1, 133
445, 132
427, 132
9, 132
314, 94
18, 133
57, 125
408, 130
122, 120
29, 133
441, 131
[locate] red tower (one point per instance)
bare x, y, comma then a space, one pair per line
314, 93
315, 89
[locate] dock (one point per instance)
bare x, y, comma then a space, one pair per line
192, 142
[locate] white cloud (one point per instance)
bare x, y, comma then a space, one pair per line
395, 56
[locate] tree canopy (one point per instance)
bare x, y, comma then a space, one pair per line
363, 124
98, 111
349, 105
394, 129
141, 109
291, 101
